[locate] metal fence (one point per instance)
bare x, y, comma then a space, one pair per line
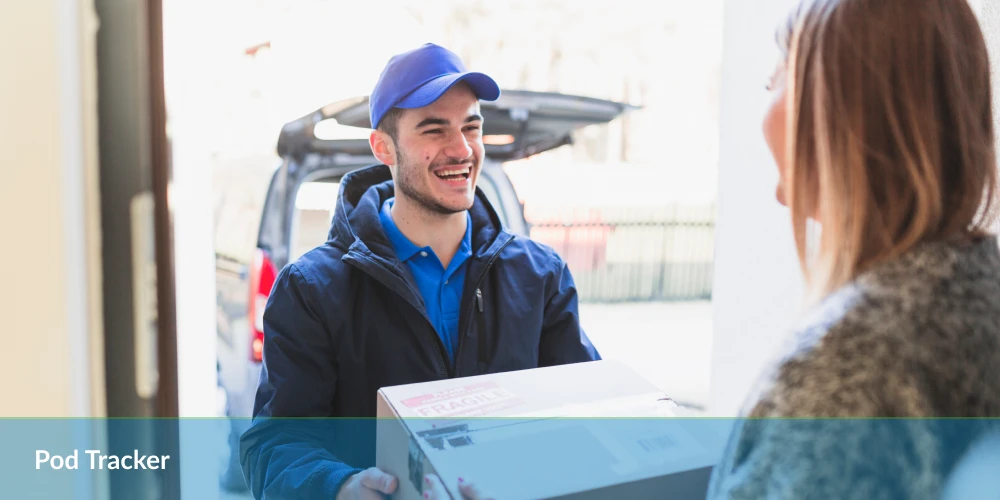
634, 254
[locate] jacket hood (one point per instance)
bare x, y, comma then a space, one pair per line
356, 223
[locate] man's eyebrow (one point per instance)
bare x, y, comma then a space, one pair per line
432, 121
443, 122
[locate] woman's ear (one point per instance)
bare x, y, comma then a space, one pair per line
383, 147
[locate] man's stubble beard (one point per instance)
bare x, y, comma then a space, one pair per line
406, 182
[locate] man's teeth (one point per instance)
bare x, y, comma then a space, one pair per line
449, 173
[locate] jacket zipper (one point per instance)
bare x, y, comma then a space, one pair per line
481, 341
479, 302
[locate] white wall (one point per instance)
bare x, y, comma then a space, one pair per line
188, 30
186, 33
757, 284
49, 219
990, 19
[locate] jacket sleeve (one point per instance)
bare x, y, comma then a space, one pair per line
286, 457
563, 339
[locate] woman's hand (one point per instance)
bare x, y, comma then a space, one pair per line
434, 490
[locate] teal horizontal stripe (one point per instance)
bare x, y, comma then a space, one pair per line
36, 453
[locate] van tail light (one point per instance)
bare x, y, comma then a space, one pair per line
262, 277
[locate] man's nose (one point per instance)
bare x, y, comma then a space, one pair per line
458, 147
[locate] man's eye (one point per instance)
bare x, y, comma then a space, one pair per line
433, 131
471, 129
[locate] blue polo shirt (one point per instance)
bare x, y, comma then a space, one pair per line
441, 288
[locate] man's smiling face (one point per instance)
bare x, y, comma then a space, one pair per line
439, 152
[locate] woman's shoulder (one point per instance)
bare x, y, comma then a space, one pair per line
874, 347
933, 299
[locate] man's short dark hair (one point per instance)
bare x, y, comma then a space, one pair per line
390, 123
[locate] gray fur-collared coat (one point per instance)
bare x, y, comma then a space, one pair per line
915, 337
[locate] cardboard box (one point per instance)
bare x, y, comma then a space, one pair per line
544, 433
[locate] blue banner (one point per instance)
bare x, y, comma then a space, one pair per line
509, 457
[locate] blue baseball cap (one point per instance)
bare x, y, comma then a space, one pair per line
419, 77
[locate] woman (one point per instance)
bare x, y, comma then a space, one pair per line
882, 129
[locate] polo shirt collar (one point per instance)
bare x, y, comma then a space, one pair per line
405, 249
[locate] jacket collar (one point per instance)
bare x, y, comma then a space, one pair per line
356, 225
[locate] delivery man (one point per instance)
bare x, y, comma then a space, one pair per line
418, 281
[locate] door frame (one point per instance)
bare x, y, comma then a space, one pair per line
137, 252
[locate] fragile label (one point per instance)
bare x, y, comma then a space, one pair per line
471, 400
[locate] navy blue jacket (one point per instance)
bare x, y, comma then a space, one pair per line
347, 319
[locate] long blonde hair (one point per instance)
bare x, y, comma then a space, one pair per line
890, 131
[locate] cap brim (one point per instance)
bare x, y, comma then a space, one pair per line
482, 85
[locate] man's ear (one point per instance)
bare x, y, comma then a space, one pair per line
383, 147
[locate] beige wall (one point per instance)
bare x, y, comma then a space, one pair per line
49, 294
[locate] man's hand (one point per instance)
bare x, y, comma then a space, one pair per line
434, 490
370, 484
